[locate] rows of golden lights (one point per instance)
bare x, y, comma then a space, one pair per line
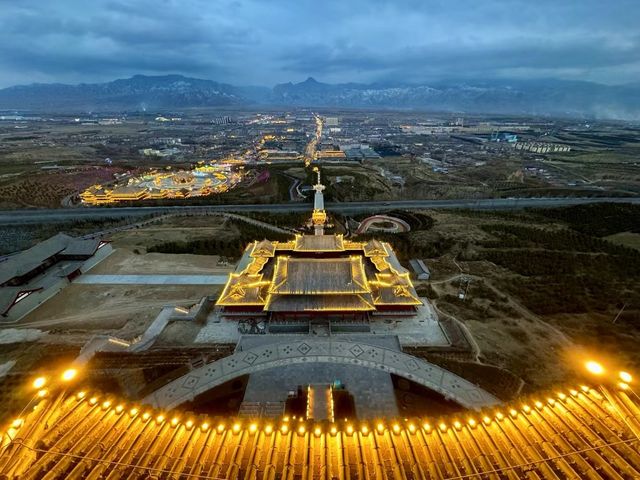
300, 425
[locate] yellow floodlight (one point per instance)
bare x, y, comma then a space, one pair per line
625, 377
594, 367
69, 374
39, 382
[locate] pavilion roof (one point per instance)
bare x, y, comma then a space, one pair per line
392, 289
375, 248
244, 289
319, 243
314, 276
263, 248
318, 303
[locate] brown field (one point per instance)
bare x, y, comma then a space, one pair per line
628, 239
173, 229
125, 262
125, 310
540, 348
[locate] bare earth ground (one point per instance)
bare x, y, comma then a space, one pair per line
514, 339
102, 308
628, 239
176, 229
533, 347
125, 262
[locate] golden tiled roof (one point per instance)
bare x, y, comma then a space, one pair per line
320, 303
375, 248
319, 243
589, 433
296, 271
264, 248
314, 276
244, 289
392, 289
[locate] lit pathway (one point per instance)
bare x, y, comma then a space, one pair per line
90, 279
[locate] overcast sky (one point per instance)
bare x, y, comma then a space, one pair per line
264, 42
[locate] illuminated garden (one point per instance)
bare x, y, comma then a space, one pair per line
167, 183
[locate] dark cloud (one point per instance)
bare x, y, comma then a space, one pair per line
265, 42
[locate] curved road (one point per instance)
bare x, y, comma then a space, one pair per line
25, 216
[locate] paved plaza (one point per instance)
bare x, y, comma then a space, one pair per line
423, 329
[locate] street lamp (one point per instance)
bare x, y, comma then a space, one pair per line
40, 392
597, 369
69, 374
39, 382
625, 377
626, 380
594, 367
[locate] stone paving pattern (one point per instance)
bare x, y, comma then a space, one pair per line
321, 350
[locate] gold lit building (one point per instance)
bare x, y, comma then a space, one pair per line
586, 433
154, 185
318, 275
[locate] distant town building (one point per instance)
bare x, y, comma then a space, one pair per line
358, 151
504, 137
154, 152
109, 121
221, 120
542, 147
275, 155
155, 185
330, 155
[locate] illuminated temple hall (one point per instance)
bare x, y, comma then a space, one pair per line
319, 275
318, 404
572, 434
318, 294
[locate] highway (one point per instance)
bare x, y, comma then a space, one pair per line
36, 216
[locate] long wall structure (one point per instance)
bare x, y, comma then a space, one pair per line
589, 432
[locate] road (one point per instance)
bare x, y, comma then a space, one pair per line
28, 216
310, 151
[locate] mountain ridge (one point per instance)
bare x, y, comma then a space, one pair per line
142, 92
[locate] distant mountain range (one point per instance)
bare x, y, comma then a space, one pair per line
537, 97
